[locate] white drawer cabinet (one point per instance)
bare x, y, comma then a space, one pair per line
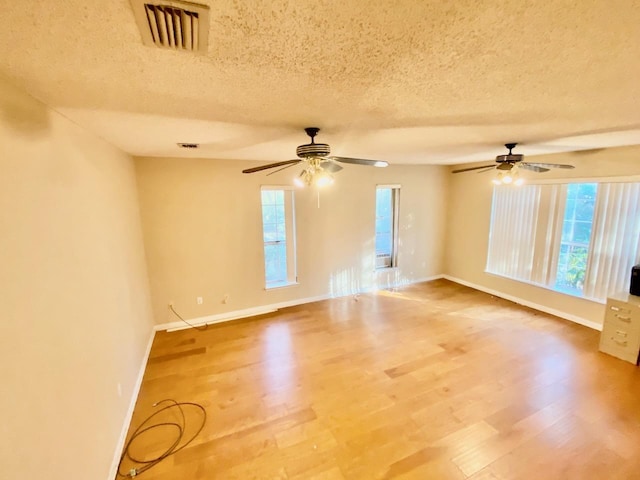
621, 330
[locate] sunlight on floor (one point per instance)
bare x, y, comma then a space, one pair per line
279, 363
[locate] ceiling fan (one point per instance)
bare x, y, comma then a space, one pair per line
318, 164
508, 165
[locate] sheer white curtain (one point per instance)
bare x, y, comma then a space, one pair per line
514, 217
615, 240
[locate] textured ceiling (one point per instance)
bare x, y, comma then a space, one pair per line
406, 81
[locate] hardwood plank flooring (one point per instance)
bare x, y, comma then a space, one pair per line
428, 381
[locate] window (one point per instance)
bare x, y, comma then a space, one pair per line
278, 231
578, 238
387, 204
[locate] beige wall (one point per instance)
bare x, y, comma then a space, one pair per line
469, 212
203, 231
74, 286
74, 293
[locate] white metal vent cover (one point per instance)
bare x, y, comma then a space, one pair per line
173, 24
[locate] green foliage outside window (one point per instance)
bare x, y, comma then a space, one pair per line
576, 236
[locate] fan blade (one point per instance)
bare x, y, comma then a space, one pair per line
271, 165
505, 166
472, 168
550, 165
280, 169
486, 169
360, 161
331, 167
533, 168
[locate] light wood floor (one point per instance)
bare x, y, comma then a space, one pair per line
431, 381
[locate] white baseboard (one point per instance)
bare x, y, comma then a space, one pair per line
250, 312
417, 280
211, 319
430, 279
132, 404
526, 303
261, 310
235, 314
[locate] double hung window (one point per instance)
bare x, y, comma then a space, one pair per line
278, 233
387, 205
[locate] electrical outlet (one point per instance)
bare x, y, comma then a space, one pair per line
225, 299
199, 300
171, 305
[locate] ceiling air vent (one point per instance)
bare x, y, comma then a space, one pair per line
172, 24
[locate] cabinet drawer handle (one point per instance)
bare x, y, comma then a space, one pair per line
621, 333
615, 309
623, 343
623, 318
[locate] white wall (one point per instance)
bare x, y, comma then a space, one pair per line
469, 213
74, 293
203, 232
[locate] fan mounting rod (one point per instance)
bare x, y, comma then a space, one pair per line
312, 132
510, 146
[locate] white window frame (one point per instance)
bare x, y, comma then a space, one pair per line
389, 261
290, 235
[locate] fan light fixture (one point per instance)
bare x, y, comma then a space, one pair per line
511, 177
323, 179
313, 175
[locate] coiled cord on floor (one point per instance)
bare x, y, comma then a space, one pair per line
144, 465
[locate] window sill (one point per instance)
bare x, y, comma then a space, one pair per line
277, 286
540, 285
